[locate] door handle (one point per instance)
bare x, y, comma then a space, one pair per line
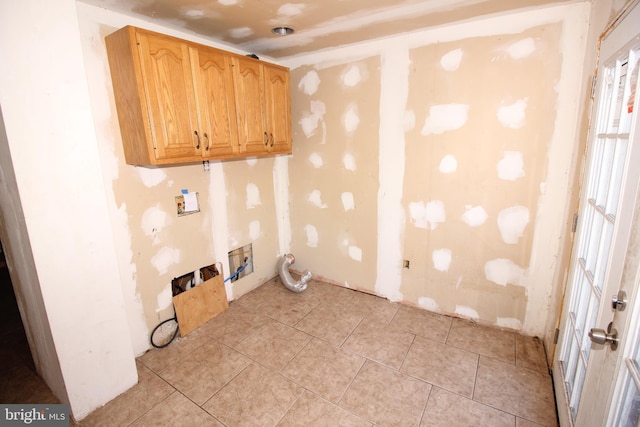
610, 336
195, 132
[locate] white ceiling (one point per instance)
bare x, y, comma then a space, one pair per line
319, 24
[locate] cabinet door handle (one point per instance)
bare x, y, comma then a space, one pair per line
206, 139
266, 139
195, 132
272, 141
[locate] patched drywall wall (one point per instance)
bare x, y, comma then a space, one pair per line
237, 201
447, 148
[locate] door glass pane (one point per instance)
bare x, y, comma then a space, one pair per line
630, 407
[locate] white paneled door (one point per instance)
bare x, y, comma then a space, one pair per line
596, 371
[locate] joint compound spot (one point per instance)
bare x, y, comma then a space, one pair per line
194, 13
511, 167
254, 230
347, 201
164, 258
351, 119
355, 253
309, 123
467, 312
252, 161
509, 322
512, 116
164, 298
151, 177
316, 199
448, 164
349, 162
153, 220
427, 215
352, 77
409, 120
446, 117
428, 304
291, 9
316, 160
312, 236
441, 259
253, 196
227, 2
451, 61
522, 49
309, 83
474, 216
512, 223
240, 33
503, 271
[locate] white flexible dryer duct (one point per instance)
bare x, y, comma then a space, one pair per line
285, 276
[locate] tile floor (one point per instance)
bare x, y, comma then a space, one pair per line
335, 357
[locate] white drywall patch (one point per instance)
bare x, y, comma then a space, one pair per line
428, 304
467, 312
445, 117
227, 2
512, 116
252, 161
427, 215
316, 160
309, 83
509, 322
512, 222
240, 32
291, 9
164, 298
153, 221
448, 164
409, 120
281, 196
511, 167
164, 258
347, 201
352, 76
312, 235
474, 216
450, 61
151, 177
349, 162
394, 91
309, 122
254, 230
441, 259
253, 196
315, 197
503, 271
355, 253
522, 49
351, 119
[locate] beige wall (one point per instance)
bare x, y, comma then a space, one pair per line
237, 201
449, 148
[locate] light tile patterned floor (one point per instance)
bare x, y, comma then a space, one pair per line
335, 357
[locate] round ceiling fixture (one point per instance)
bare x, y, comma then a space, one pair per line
282, 31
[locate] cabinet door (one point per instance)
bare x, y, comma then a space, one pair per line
213, 75
249, 93
278, 109
168, 87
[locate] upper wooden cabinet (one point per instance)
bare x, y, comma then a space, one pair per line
181, 102
262, 102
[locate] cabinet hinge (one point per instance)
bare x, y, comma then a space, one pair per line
556, 335
594, 82
574, 226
